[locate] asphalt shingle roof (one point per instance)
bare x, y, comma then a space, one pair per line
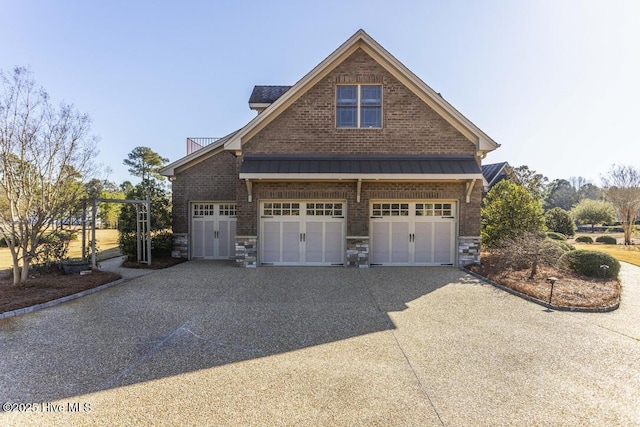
267, 94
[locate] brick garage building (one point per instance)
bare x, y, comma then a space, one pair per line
359, 163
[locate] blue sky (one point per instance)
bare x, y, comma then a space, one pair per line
555, 82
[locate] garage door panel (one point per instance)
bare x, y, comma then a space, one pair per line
271, 242
400, 242
423, 243
314, 241
291, 241
197, 234
333, 242
314, 235
413, 233
226, 226
209, 228
381, 239
213, 230
443, 242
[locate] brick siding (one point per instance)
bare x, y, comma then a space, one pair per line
409, 125
212, 179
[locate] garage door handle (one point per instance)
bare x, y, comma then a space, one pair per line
375, 217
449, 217
265, 216
337, 217
304, 237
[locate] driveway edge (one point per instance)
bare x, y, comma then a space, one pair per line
51, 303
543, 303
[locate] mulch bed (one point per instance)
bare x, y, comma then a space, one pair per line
570, 290
53, 284
47, 287
156, 263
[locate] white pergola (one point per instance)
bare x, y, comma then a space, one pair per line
143, 227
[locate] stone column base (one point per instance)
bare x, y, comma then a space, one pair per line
358, 251
468, 250
180, 245
247, 251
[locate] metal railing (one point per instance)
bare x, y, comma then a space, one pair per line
195, 144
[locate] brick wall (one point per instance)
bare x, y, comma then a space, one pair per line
409, 125
212, 179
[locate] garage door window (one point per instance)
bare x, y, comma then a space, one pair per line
390, 209
204, 209
228, 210
324, 209
433, 209
281, 209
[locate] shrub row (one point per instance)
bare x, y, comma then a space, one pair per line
584, 239
609, 240
161, 244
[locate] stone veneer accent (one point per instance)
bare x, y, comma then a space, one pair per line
180, 245
358, 251
468, 250
247, 251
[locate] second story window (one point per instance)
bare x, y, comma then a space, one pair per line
359, 106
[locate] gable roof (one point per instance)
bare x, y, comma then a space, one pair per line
361, 40
494, 172
197, 156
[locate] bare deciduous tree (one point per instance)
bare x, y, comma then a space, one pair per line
622, 185
45, 152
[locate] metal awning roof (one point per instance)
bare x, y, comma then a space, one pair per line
358, 166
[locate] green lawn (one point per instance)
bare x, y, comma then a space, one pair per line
630, 254
106, 240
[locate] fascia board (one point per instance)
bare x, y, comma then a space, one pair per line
364, 177
170, 169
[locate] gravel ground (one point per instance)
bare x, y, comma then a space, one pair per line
205, 343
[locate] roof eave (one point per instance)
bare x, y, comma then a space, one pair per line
170, 169
358, 176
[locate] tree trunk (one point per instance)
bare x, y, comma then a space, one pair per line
627, 234
534, 268
16, 268
25, 270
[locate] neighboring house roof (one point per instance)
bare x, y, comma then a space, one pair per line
494, 173
197, 156
357, 166
361, 40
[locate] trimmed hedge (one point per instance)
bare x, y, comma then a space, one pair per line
566, 247
590, 263
161, 244
609, 240
584, 239
556, 236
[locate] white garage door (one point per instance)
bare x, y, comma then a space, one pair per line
302, 233
213, 230
412, 233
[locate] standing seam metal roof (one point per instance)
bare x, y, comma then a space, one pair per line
358, 164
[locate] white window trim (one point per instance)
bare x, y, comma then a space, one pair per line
359, 106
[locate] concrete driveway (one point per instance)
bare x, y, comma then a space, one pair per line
205, 343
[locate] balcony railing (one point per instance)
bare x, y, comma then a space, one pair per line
195, 144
